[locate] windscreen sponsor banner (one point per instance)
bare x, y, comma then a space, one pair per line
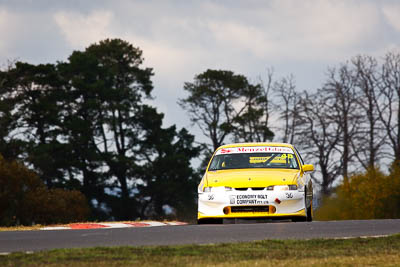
255, 149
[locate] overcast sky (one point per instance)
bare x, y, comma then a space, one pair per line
180, 39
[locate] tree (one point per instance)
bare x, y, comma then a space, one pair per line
252, 124
32, 100
168, 179
107, 86
11, 147
225, 105
288, 106
211, 101
341, 94
319, 137
389, 107
113, 130
370, 140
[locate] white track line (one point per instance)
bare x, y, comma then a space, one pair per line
116, 225
55, 228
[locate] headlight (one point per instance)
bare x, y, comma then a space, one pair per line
208, 189
282, 187
301, 188
292, 187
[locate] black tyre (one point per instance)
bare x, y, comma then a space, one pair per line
309, 213
209, 221
308, 209
299, 219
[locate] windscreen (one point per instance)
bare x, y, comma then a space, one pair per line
254, 157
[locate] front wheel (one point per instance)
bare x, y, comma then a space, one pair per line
209, 221
309, 213
308, 209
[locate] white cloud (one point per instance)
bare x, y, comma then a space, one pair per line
240, 37
392, 14
3, 30
81, 30
296, 29
7, 23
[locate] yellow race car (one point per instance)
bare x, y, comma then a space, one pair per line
255, 181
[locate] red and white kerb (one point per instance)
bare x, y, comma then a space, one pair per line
255, 149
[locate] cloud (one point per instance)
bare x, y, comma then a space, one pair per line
180, 39
80, 30
3, 30
391, 13
29, 36
7, 22
213, 33
296, 29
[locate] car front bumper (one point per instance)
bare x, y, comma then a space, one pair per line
248, 204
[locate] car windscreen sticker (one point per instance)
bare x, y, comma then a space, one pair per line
258, 159
255, 149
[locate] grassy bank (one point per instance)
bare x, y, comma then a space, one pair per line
384, 251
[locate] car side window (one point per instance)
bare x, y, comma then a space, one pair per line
298, 154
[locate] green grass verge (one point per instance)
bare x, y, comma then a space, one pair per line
384, 251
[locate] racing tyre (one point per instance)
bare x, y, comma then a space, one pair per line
299, 219
209, 221
309, 213
308, 209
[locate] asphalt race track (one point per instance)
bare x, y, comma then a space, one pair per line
11, 241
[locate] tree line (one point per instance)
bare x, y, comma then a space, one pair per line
349, 125
352, 123
83, 125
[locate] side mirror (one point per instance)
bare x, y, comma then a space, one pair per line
308, 168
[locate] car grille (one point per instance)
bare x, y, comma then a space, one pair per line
247, 188
250, 209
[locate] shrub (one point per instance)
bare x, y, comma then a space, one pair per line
371, 195
54, 206
24, 199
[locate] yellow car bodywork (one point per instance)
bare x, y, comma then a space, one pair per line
247, 193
